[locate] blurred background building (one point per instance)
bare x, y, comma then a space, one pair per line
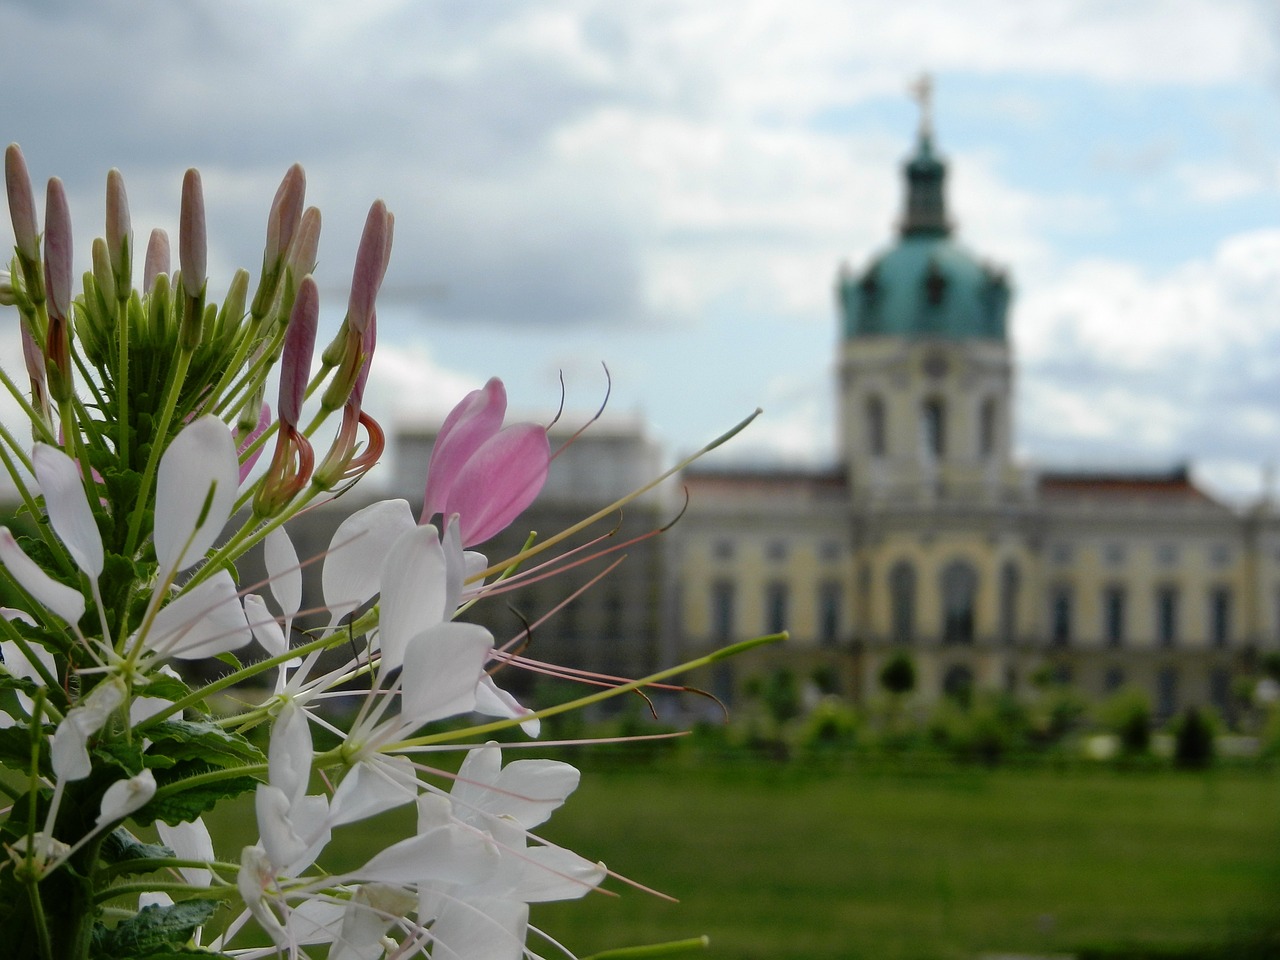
928, 538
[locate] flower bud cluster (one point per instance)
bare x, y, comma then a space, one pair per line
148, 414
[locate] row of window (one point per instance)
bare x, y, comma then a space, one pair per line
776, 610
959, 588
1115, 615
775, 550
933, 427
1115, 554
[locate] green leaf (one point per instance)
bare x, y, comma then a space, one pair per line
156, 930
191, 803
203, 741
230, 659
121, 847
9, 682
15, 747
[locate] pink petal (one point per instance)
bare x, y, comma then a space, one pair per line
502, 478
299, 342
473, 421
57, 250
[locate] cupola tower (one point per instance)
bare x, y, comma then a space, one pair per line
925, 370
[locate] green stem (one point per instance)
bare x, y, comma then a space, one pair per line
151, 864
37, 914
191, 699
177, 375
732, 650
210, 776
151, 886
122, 380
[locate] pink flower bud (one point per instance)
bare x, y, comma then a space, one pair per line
306, 244
193, 244
119, 233
57, 250
371, 259
299, 343
484, 473
22, 203
286, 212
157, 261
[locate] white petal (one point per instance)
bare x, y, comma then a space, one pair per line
447, 854
282, 567
66, 602
354, 564
372, 786
265, 627
529, 791
413, 591
442, 668
68, 507
68, 752
370, 912
455, 566
205, 621
289, 751
195, 491
482, 929
554, 873
493, 701
189, 840
125, 796
293, 834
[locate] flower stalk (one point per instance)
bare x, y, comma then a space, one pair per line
146, 405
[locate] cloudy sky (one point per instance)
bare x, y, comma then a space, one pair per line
668, 187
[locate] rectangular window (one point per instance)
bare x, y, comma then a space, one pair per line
775, 607
829, 595
1060, 616
1167, 616
1220, 617
722, 614
1113, 603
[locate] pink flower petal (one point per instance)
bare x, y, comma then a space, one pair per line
499, 480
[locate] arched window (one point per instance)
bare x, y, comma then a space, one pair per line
987, 428
933, 427
877, 444
1009, 604
902, 600
959, 593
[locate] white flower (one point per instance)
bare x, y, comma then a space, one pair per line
126, 796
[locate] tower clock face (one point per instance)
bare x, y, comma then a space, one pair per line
935, 365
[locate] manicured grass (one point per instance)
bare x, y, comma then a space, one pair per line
779, 864
788, 864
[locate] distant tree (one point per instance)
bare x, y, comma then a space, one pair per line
1193, 739
1127, 714
782, 696
898, 675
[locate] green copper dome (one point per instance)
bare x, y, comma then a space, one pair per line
926, 285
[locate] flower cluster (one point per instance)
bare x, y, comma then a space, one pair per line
147, 409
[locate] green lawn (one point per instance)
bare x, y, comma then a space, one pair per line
785, 864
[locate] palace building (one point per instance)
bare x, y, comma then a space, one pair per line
927, 537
